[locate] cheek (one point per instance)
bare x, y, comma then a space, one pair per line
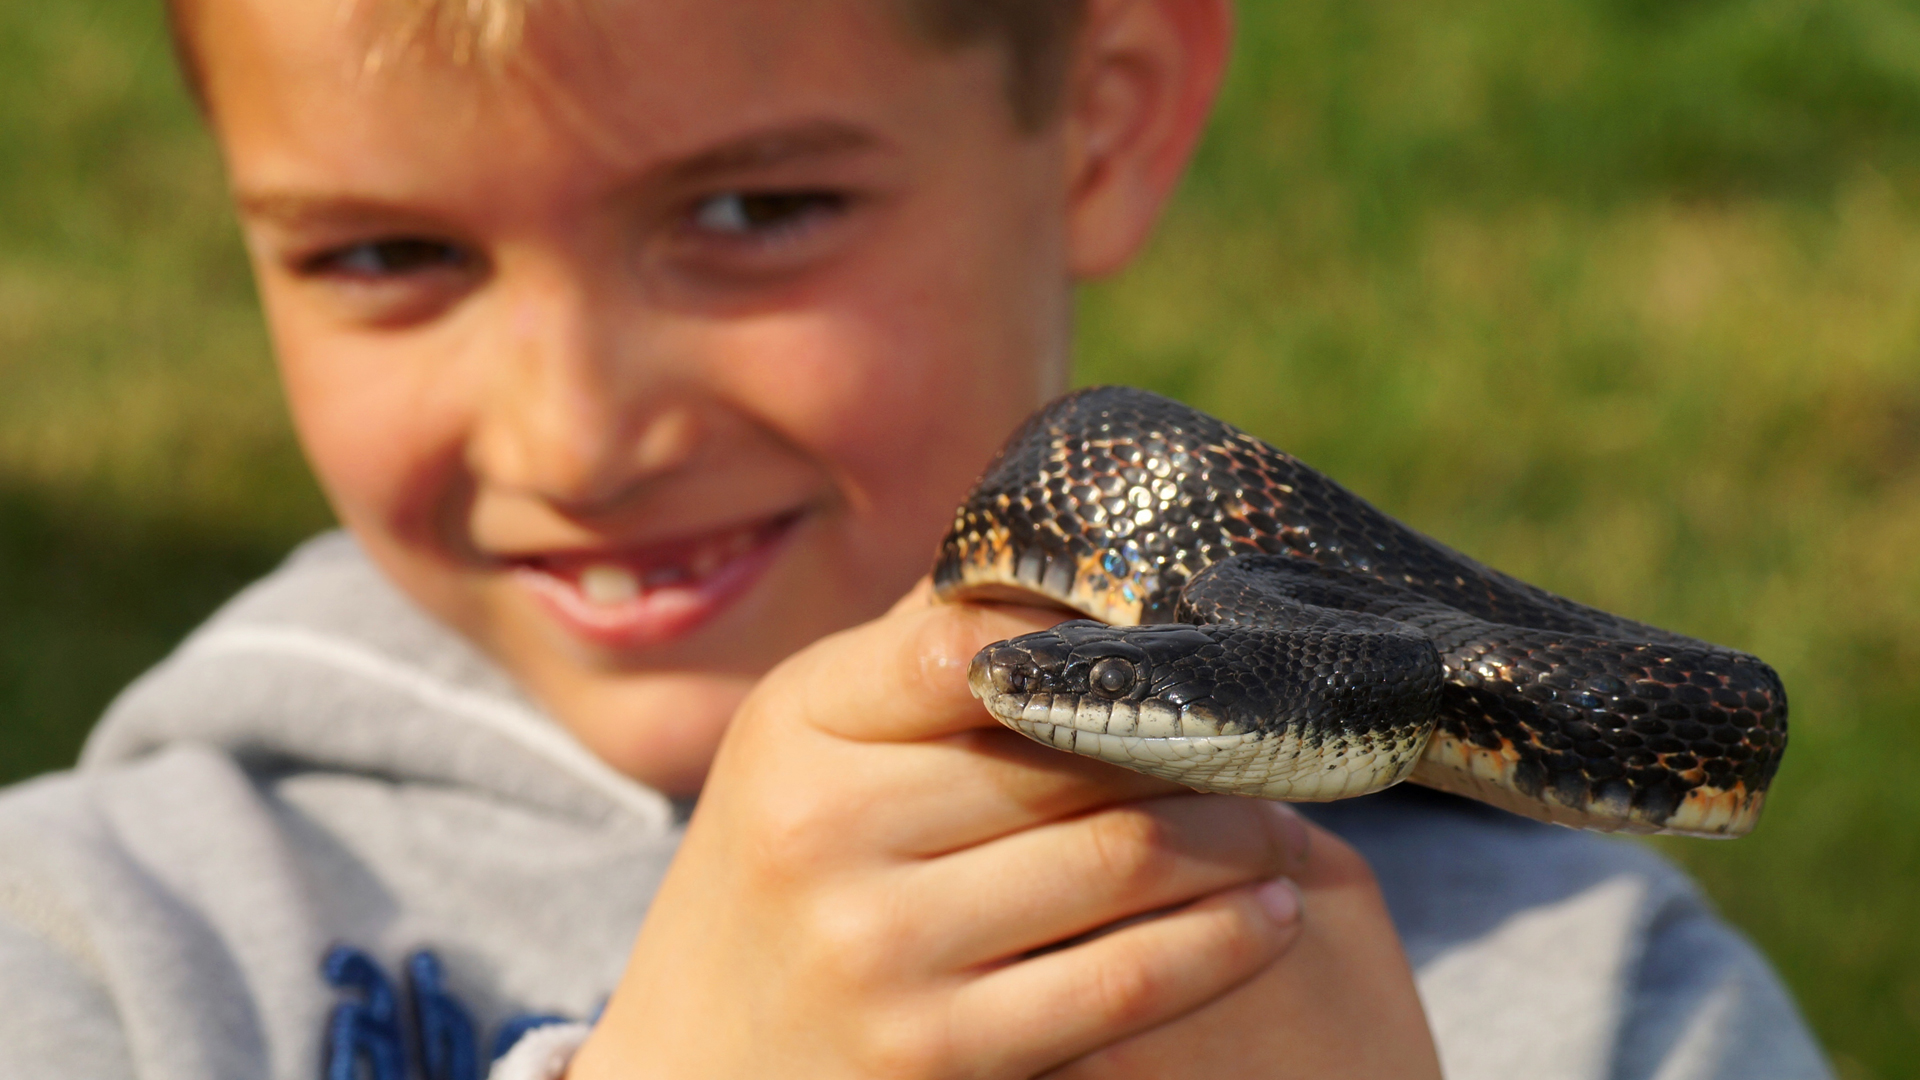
385, 438
903, 406
913, 375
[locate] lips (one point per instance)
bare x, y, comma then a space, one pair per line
637, 597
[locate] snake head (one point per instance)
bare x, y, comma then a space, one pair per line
1136, 680
1316, 713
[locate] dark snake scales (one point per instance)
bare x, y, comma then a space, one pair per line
1264, 631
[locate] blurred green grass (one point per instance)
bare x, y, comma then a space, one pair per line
1622, 296
146, 469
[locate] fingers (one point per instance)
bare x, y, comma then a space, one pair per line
954, 778
1340, 1001
977, 786
903, 677
1058, 1006
1081, 874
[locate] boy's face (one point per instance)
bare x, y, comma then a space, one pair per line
660, 353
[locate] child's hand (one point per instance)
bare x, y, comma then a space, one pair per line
1340, 1002
874, 862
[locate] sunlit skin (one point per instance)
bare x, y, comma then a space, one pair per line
653, 361
531, 316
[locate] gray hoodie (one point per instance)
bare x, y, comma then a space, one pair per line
327, 839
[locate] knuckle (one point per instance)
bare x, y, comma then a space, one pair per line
858, 941
792, 834
1125, 991
906, 1044
1129, 847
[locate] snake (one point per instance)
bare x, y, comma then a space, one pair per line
1248, 626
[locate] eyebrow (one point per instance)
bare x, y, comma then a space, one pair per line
300, 208
778, 146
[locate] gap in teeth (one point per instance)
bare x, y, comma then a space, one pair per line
709, 557
705, 561
609, 584
662, 576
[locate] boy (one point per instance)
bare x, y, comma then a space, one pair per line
643, 349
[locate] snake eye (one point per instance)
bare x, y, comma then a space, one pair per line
1111, 677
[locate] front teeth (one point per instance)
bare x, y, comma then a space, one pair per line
607, 586
610, 585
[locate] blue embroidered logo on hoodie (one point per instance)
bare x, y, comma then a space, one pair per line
369, 1037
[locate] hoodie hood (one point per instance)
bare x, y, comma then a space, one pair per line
325, 665
327, 838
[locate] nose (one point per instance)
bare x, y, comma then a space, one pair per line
575, 412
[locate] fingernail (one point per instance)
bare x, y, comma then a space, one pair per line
1293, 827
1280, 900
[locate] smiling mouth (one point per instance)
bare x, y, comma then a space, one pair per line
650, 595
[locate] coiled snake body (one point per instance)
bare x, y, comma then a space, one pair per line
1263, 631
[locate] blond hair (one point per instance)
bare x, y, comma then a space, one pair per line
1036, 37
466, 31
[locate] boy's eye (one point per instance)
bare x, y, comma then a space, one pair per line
388, 258
758, 213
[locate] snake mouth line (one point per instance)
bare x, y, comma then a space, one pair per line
1261, 764
1197, 750
1094, 715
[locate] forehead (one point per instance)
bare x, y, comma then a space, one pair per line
625, 80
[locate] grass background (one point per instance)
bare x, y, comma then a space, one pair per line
1622, 296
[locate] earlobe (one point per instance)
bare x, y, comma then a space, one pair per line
1144, 77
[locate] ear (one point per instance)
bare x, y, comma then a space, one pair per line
1142, 82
